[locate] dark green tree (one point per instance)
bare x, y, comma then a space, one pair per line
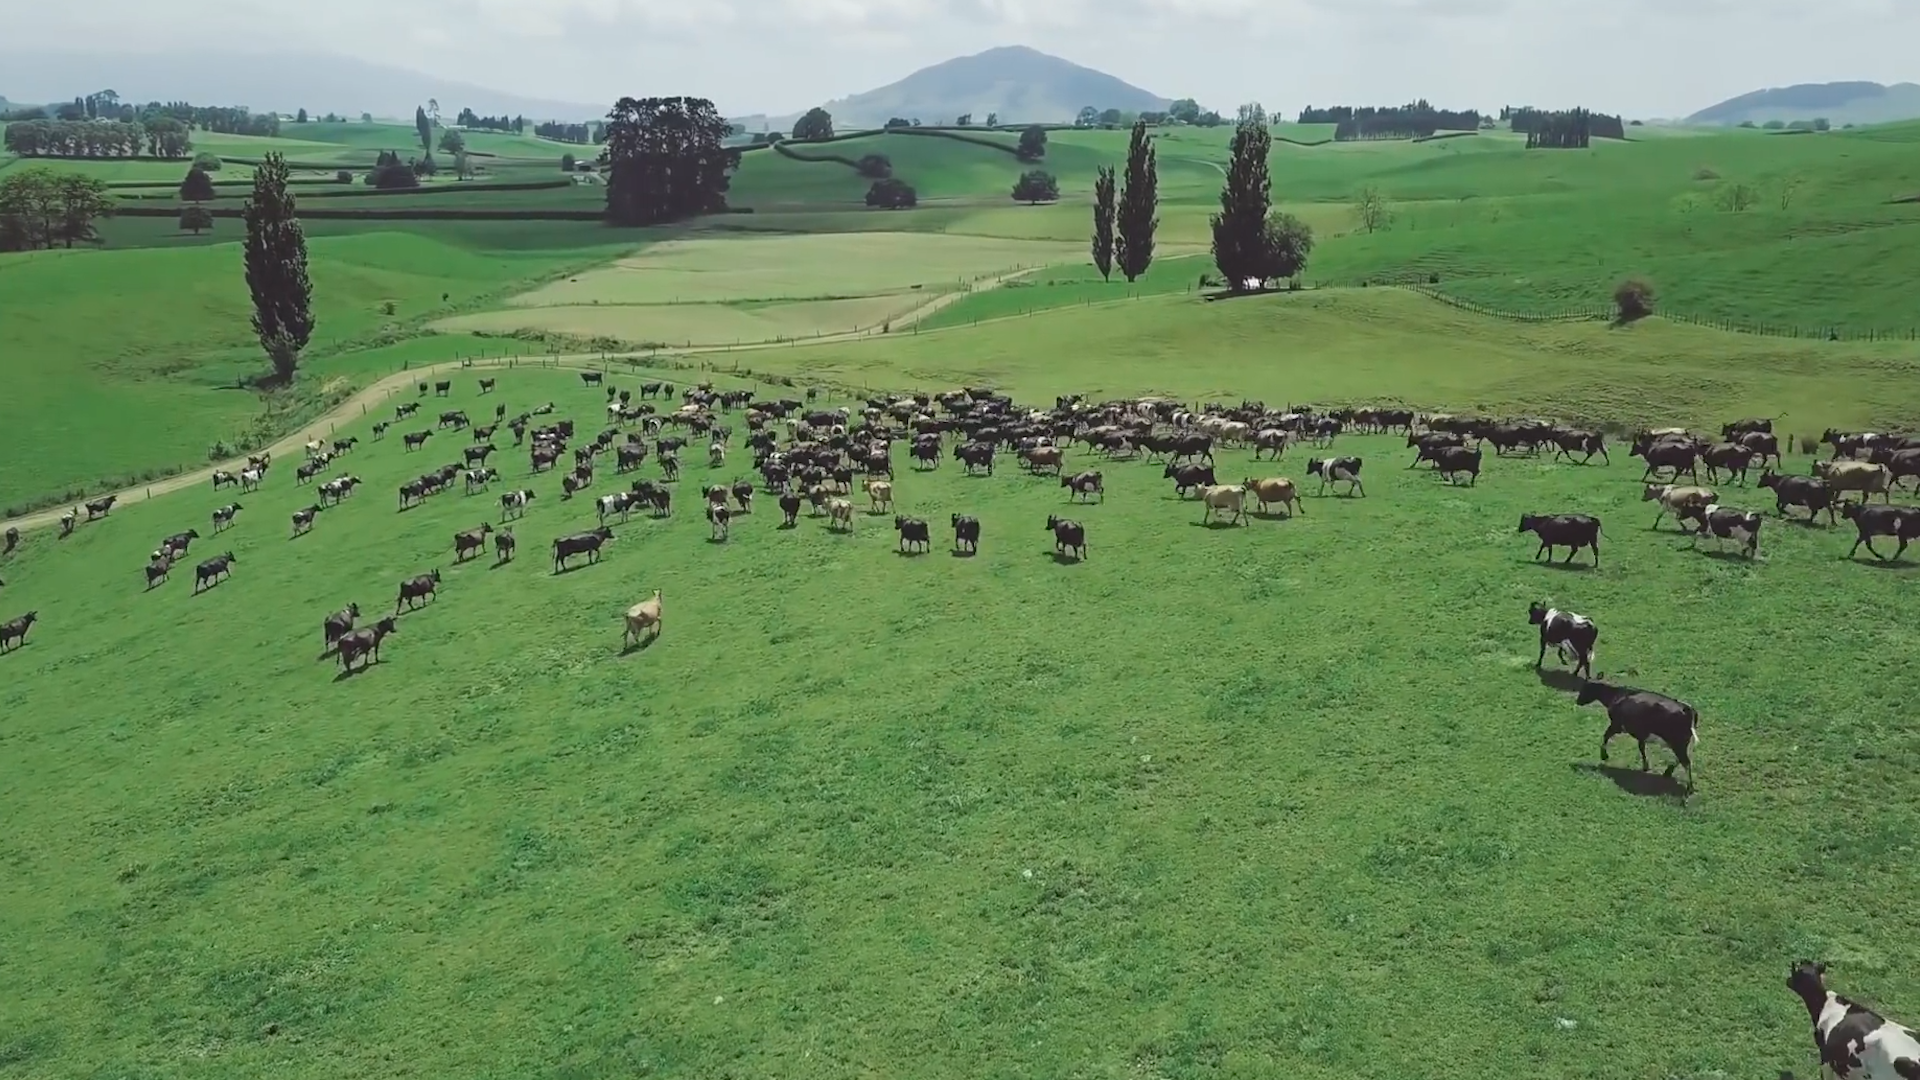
1036, 186
1135, 221
993, 119
1088, 117
1240, 228
423, 127
1103, 222
197, 187
567, 163
83, 200
1186, 111
276, 262
1033, 144
892, 195
452, 141
1287, 243
816, 124
666, 160
300, 117
195, 219
874, 166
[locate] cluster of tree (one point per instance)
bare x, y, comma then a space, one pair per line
816, 124
1092, 117
874, 166
1414, 120
1123, 229
1566, 129
766, 138
901, 121
1188, 111
40, 208
584, 134
1251, 244
892, 194
1036, 186
106, 105
515, 124
390, 173
160, 136
1817, 124
1033, 144
666, 160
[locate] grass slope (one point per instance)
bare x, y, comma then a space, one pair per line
1208, 804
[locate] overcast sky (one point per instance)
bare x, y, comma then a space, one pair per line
1641, 57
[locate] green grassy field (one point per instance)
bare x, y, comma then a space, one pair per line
1210, 803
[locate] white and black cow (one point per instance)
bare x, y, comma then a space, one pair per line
513, 504
1854, 1041
1343, 469
1572, 635
1725, 523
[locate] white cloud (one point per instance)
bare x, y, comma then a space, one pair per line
1642, 57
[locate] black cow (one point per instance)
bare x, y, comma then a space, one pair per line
15, 630
1725, 523
1571, 635
442, 389
1186, 477
213, 570
1900, 522
977, 455
1808, 491
101, 507
414, 589
1068, 536
1329, 470
1084, 485
338, 624
1573, 440
1680, 455
13, 540
587, 543
591, 378
365, 643
503, 545
1645, 715
1451, 461
1732, 457
416, 439
966, 533
913, 532
790, 507
1571, 531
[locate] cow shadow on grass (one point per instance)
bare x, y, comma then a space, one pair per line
961, 553
1560, 565
630, 646
910, 553
1061, 558
1645, 784
1559, 679
1270, 515
348, 673
1890, 564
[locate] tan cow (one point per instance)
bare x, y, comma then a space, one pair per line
1859, 476
1276, 489
1683, 502
643, 617
1224, 497
881, 492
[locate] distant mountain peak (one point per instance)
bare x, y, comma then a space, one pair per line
1839, 102
1018, 82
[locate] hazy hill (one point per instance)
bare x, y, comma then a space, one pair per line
1019, 83
283, 82
1840, 102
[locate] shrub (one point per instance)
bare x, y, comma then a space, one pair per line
566, 162
392, 176
207, 161
875, 166
1633, 299
1705, 173
892, 195
344, 176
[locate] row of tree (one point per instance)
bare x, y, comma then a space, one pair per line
1416, 119
160, 136
40, 208
584, 134
1563, 129
1123, 229
107, 106
468, 119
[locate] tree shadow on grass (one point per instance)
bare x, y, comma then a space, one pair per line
1644, 784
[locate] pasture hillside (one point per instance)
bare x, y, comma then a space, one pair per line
1208, 803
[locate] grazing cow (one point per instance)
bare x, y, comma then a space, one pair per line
13, 633
365, 644
212, 570
880, 494
1186, 477
1068, 536
1274, 490
1224, 497
477, 455
442, 389
913, 531
1725, 523
303, 519
339, 624
1645, 715
1451, 461
790, 508
719, 518
840, 514
414, 440
1571, 635
1681, 502
1084, 485
1330, 470
1900, 522
157, 569
587, 543
1732, 457
470, 542
486, 385
1855, 1043
401, 412
13, 540
455, 419
513, 504
1808, 491
415, 589
1867, 479
223, 478
591, 378
1571, 531
223, 517
966, 533
100, 508
643, 617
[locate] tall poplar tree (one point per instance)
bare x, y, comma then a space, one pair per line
276, 261
1139, 199
1103, 222
1240, 228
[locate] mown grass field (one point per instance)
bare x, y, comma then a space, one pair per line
1210, 803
